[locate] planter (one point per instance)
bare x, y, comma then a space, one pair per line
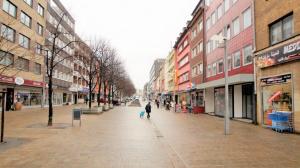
106, 107
111, 106
18, 106
94, 110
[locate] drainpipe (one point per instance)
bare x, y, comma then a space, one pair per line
254, 66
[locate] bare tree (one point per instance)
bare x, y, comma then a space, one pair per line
55, 57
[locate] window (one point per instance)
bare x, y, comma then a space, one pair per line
25, 19
8, 33
194, 33
10, 8
24, 41
29, 2
6, 58
208, 47
237, 59
23, 64
213, 18
40, 10
220, 67
194, 52
40, 29
208, 73
185, 43
194, 71
184, 78
214, 69
247, 18
229, 62
236, 26
247, 54
37, 68
281, 30
226, 5
228, 32
38, 48
200, 26
200, 47
200, 69
183, 61
220, 11
208, 23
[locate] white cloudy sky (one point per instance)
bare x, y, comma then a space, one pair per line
141, 30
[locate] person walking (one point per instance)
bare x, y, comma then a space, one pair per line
148, 110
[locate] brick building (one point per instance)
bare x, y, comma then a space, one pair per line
232, 19
197, 54
63, 73
22, 26
277, 59
182, 66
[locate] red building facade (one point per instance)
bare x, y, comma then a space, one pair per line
232, 19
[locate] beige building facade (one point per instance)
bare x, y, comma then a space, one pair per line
22, 25
277, 58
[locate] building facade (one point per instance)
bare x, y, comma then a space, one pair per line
182, 64
154, 74
197, 54
277, 59
170, 75
22, 26
57, 15
234, 20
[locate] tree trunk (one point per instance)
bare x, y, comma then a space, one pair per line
99, 92
104, 92
50, 91
90, 93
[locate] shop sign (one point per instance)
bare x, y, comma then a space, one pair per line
276, 79
6, 79
19, 81
279, 55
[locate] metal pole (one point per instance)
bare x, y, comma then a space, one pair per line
2, 116
227, 115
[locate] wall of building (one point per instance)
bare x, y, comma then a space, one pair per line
238, 101
209, 100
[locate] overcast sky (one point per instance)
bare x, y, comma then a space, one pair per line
141, 30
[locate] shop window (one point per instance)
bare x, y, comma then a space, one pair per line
281, 30
6, 59
276, 97
247, 54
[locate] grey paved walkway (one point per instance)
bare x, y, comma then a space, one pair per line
118, 138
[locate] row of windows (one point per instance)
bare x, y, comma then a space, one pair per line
12, 9
197, 50
7, 59
183, 61
183, 45
228, 32
197, 29
62, 76
79, 81
24, 41
55, 7
184, 78
234, 61
197, 70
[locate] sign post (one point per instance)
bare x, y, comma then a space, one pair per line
76, 116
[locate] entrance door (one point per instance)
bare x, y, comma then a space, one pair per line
220, 101
75, 98
248, 105
9, 98
64, 97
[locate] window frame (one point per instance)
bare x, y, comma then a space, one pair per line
31, 2
7, 27
234, 56
21, 68
218, 69
38, 29
244, 12
39, 6
27, 47
39, 72
244, 64
26, 17
239, 27
281, 21
10, 4
5, 56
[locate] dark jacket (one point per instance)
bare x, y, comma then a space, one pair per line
148, 108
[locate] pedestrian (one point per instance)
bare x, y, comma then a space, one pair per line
148, 109
86, 99
157, 104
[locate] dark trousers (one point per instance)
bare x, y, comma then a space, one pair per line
148, 114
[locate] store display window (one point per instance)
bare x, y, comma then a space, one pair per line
276, 96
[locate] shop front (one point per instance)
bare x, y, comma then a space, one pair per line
21, 92
278, 89
197, 101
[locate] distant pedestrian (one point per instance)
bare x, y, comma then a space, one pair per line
157, 104
86, 99
148, 110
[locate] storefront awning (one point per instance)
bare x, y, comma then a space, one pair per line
236, 79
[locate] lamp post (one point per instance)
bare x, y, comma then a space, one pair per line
223, 40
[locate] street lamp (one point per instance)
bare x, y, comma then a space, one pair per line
223, 40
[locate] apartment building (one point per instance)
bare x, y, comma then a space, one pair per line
57, 15
277, 55
170, 75
154, 74
234, 20
196, 28
22, 25
80, 74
